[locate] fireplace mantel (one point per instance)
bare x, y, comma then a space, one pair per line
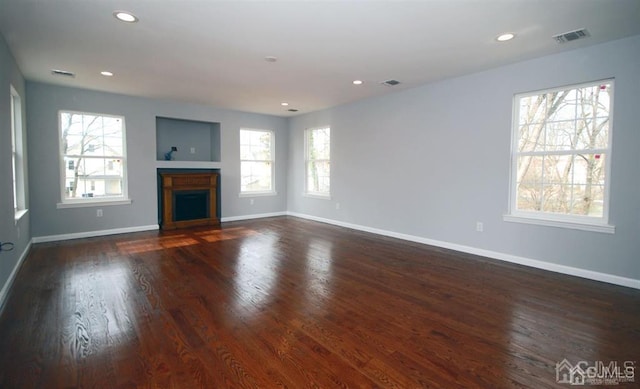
173, 183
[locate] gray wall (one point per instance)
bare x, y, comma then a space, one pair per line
431, 161
19, 234
46, 100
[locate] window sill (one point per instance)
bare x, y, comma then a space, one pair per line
20, 214
317, 196
93, 203
575, 225
257, 194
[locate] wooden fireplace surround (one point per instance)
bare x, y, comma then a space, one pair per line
172, 182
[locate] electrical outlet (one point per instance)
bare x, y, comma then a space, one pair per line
251, 201
337, 205
99, 213
193, 150
479, 226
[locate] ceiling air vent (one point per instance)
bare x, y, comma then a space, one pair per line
390, 82
57, 72
572, 35
292, 110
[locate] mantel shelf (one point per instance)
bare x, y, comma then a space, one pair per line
188, 164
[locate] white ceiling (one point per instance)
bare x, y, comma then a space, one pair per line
212, 52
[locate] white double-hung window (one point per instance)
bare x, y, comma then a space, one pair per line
256, 162
317, 148
17, 156
93, 161
561, 152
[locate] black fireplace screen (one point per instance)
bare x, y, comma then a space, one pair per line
190, 205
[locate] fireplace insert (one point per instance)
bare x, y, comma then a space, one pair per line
190, 205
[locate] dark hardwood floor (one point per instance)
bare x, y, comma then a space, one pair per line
285, 302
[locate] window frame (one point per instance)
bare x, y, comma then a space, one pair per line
93, 201
546, 218
307, 160
20, 206
253, 193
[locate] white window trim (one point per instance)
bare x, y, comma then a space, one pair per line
90, 201
306, 192
317, 195
93, 203
272, 192
20, 214
258, 194
583, 225
14, 146
577, 222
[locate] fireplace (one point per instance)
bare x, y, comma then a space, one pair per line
188, 199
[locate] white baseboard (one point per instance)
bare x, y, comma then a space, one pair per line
254, 216
7, 285
554, 267
91, 234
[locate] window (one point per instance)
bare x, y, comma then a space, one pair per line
17, 156
317, 161
93, 158
256, 162
560, 156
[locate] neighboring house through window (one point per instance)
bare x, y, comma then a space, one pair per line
256, 162
317, 150
93, 158
561, 154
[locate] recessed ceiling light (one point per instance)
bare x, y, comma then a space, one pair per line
284, 104
106, 74
125, 16
505, 37
357, 82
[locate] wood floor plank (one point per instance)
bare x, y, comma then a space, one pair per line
289, 303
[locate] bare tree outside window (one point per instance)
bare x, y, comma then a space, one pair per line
562, 149
93, 153
318, 161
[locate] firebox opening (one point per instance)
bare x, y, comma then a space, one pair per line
190, 205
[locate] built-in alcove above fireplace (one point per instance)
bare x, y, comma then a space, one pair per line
179, 140
188, 199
